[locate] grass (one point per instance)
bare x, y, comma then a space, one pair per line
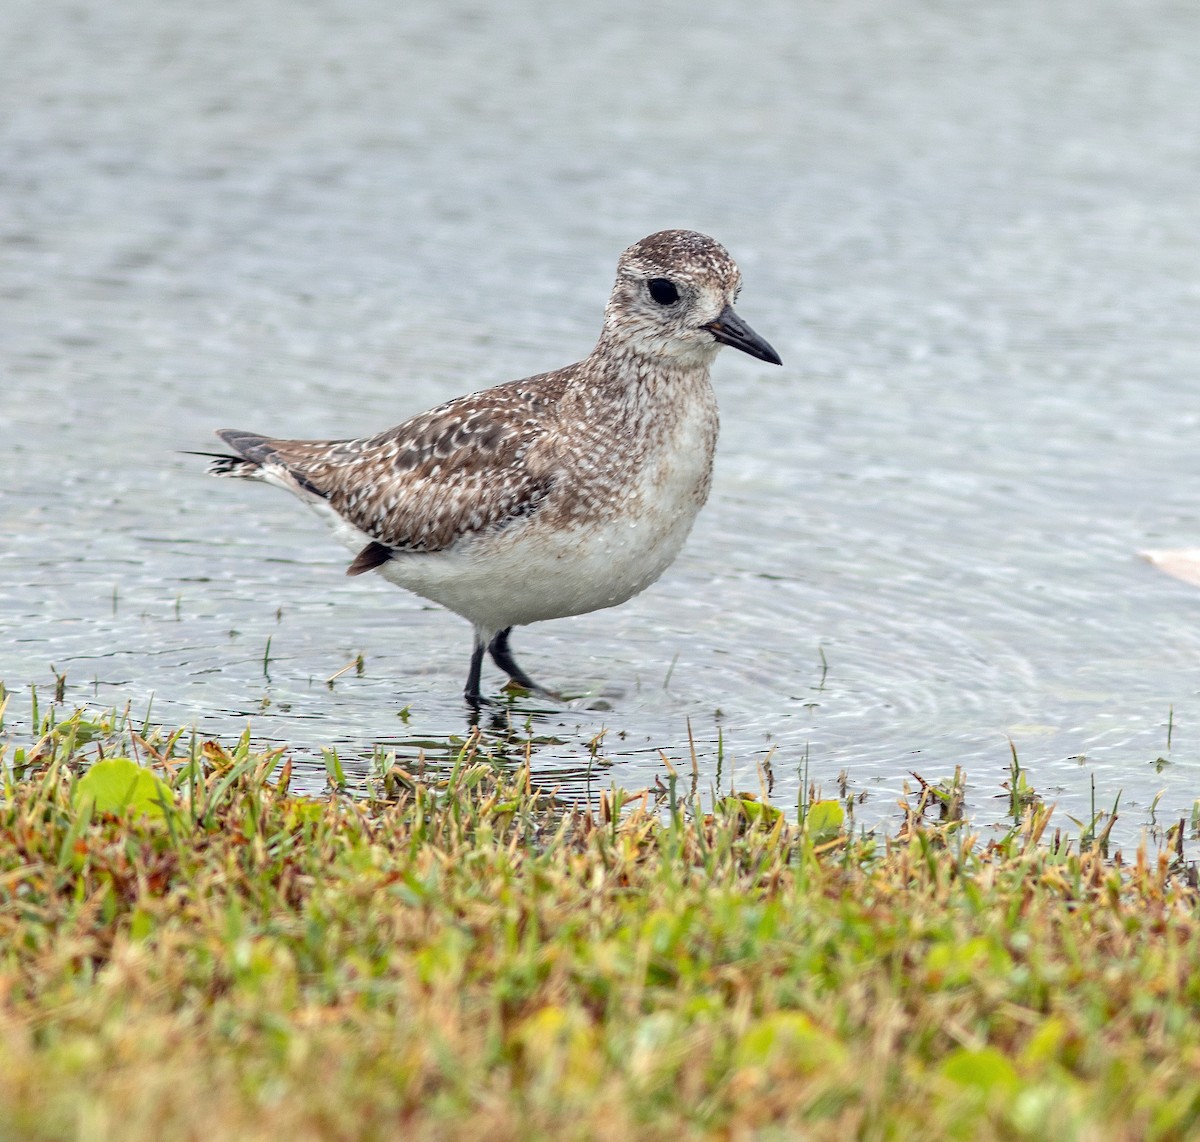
460, 957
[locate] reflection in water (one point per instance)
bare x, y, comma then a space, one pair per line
509, 737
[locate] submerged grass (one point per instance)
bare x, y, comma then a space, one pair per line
459, 957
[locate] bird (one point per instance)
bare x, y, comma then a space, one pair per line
554, 495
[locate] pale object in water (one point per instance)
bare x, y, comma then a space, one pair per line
1181, 562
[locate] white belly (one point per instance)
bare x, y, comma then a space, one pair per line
531, 575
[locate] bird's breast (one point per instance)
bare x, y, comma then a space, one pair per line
646, 457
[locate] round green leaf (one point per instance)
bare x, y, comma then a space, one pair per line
118, 783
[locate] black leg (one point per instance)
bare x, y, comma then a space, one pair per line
502, 657
471, 693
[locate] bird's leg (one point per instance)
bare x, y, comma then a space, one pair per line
471, 693
502, 657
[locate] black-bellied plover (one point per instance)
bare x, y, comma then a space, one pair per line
555, 495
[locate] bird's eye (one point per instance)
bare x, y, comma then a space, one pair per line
663, 291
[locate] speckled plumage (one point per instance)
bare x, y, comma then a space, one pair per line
555, 495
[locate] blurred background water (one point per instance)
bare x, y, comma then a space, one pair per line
970, 230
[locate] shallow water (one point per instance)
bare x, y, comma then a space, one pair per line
970, 232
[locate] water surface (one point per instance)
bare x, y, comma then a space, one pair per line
972, 234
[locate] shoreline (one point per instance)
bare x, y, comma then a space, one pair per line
459, 956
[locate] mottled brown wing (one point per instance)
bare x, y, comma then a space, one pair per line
474, 464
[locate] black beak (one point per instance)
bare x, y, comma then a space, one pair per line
730, 329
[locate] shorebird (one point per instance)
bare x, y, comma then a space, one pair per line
555, 495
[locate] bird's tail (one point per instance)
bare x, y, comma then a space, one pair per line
250, 446
254, 450
233, 466
225, 465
